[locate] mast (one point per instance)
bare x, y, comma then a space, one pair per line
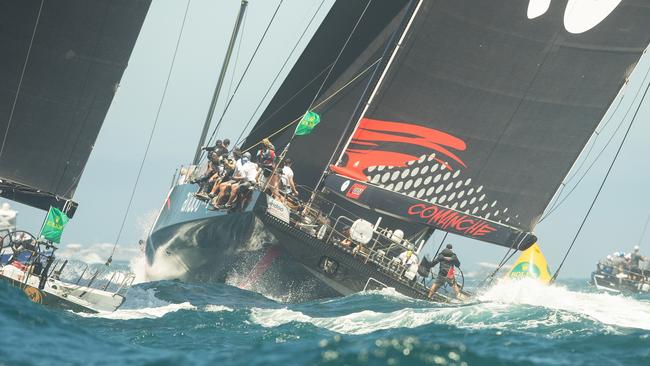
222, 76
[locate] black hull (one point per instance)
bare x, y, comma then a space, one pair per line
609, 282
191, 243
229, 247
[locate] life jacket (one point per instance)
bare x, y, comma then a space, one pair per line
451, 274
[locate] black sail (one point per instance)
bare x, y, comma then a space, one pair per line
50, 116
486, 106
341, 89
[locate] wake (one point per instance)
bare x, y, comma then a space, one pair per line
506, 305
615, 310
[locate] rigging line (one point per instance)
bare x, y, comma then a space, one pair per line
645, 227
506, 257
20, 81
260, 124
620, 124
602, 184
277, 75
259, 44
336, 60
597, 133
440, 246
319, 104
153, 129
564, 184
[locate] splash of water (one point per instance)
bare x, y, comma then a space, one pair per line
608, 309
141, 313
503, 306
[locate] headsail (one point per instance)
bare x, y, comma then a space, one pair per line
486, 106
56, 90
376, 19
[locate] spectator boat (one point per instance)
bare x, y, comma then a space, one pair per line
62, 64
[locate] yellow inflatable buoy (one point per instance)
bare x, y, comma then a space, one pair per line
531, 264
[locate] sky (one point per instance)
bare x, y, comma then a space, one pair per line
616, 222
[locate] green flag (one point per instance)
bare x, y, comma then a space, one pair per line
53, 226
307, 123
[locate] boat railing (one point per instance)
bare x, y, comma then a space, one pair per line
616, 269
95, 278
381, 250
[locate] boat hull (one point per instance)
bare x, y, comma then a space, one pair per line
258, 250
191, 243
611, 283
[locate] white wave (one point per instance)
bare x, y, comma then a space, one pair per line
616, 310
362, 322
138, 266
142, 313
165, 267
389, 292
217, 308
499, 309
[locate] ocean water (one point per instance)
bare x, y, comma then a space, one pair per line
175, 323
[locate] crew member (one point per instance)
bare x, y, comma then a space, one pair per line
245, 176
410, 262
635, 260
446, 274
266, 157
220, 148
286, 178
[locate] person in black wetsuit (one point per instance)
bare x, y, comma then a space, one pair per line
447, 260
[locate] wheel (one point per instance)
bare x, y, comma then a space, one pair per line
19, 241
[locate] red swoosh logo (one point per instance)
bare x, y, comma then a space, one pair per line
377, 142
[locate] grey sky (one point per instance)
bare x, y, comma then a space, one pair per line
615, 224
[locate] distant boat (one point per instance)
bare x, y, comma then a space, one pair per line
61, 65
460, 116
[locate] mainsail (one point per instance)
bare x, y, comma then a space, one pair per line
485, 107
61, 65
